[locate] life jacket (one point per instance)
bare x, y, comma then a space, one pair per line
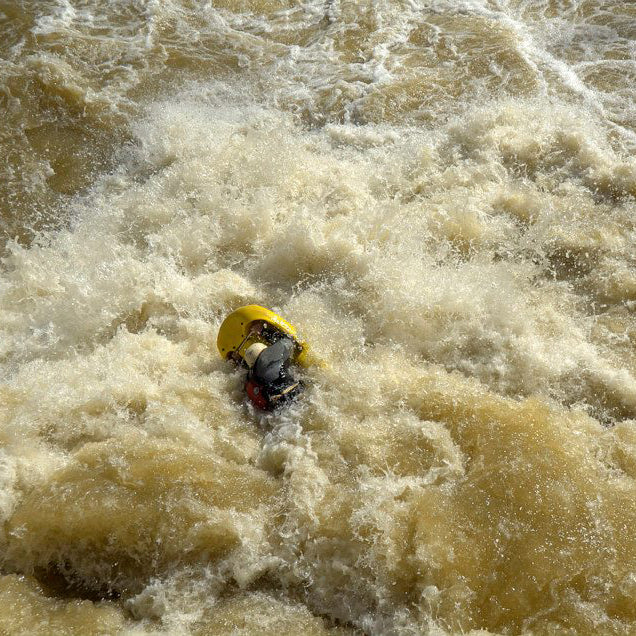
256, 392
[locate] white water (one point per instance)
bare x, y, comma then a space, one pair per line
440, 198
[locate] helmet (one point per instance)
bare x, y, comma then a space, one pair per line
234, 333
253, 352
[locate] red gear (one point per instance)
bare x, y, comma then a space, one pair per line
257, 394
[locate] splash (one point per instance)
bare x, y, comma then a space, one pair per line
453, 237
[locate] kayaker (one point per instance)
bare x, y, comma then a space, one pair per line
269, 347
270, 382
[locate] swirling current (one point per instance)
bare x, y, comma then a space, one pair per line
440, 195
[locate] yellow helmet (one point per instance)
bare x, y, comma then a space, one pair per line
234, 333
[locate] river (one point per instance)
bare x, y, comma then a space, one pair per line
440, 195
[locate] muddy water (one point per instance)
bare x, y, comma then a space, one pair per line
440, 195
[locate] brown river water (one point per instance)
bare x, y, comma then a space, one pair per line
440, 195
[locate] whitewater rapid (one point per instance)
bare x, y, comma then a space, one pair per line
439, 196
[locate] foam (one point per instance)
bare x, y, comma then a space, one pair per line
463, 458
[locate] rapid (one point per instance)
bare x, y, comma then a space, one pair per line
440, 195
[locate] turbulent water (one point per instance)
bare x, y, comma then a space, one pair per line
440, 195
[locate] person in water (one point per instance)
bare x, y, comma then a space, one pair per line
270, 382
265, 344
